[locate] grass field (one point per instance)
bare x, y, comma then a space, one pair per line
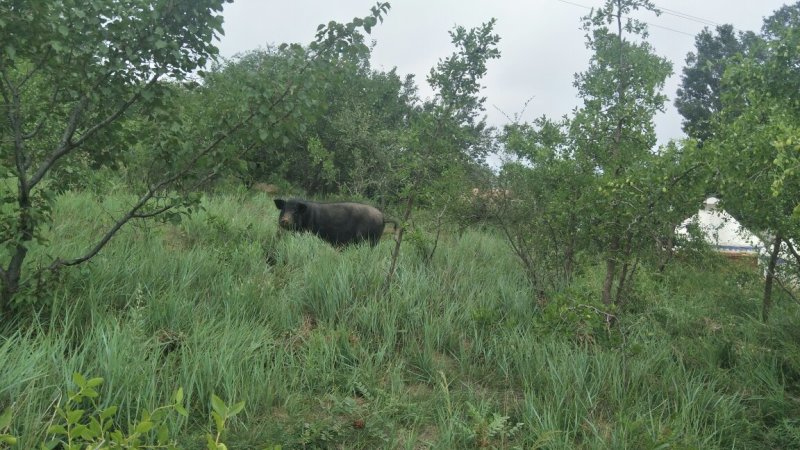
458, 354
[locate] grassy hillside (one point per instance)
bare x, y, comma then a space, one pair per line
459, 354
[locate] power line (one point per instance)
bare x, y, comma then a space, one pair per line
575, 4
670, 12
671, 29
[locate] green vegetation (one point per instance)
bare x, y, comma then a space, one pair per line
547, 303
456, 355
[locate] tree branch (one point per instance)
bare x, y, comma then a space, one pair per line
38, 127
793, 251
106, 237
166, 208
11, 97
36, 68
133, 212
150, 214
67, 145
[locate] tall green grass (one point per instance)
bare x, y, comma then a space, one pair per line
457, 354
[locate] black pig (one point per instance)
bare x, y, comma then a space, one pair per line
337, 223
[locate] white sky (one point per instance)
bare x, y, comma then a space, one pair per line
542, 44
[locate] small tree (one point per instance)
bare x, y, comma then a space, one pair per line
447, 131
621, 94
544, 221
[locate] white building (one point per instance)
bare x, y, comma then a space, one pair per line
722, 231
726, 235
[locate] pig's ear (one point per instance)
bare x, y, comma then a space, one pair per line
302, 207
279, 203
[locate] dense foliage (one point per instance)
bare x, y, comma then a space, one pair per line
545, 303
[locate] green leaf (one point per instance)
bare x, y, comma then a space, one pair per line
82, 431
181, 410
144, 427
56, 429
78, 379
94, 427
108, 412
8, 439
94, 382
74, 416
117, 437
91, 393
160, 44
179, 395
218, 405
163, 434
218, 421
5, 419
158, 415
236, 409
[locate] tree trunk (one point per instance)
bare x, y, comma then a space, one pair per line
608, 284
623, 277
773, 261
611, 269
398, 241
666, 255
13, 274
569, 261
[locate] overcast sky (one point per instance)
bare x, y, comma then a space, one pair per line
542, 44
